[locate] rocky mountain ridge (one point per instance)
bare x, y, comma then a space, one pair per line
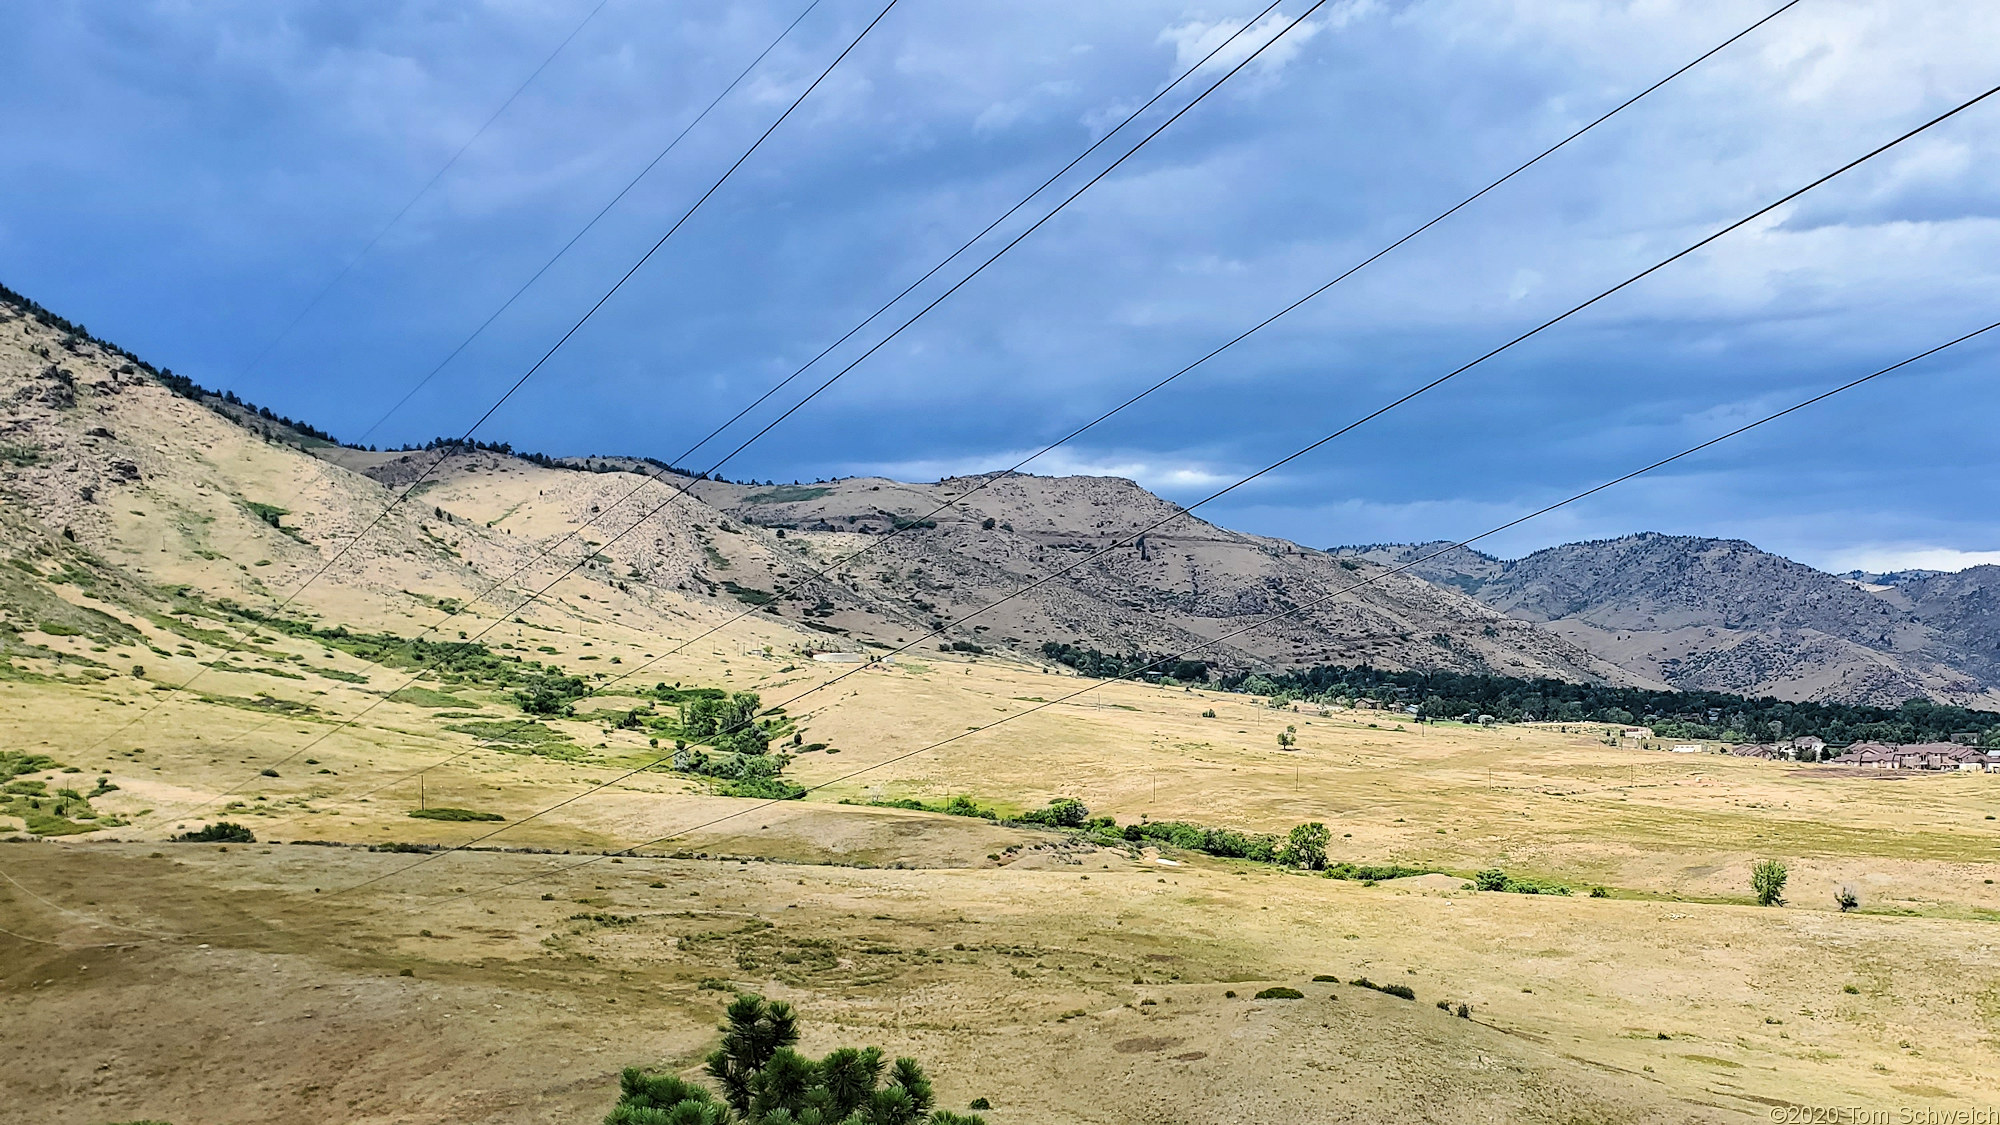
197, 488
1721, 614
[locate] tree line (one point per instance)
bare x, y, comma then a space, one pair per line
1717, 715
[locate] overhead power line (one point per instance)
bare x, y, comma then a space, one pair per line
587, 227
445, 453
681, 489
992, 479
989, 480
1258, 624
1184, 654
1127, 539
341, 274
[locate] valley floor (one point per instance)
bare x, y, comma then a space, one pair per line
1063, 981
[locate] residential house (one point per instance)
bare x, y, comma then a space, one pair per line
1869, 755
1919, 756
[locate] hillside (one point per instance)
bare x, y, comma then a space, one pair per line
461, 905
1722, 615
185, 488
199, 489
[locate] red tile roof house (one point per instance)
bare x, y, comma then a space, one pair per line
1919, 756
1872, 755
1935, 755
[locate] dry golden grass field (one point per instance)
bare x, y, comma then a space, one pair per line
1061, 980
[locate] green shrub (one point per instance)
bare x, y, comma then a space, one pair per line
1280, 992
762, 788
1063, 812
1374, 872
1767, 880
1494, 879
1403, 991
269, 513
1305, 847
764, 1079
221, 832
980, 1103
1328, 978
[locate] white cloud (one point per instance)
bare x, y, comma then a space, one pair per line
1883, 557
1164, 474
1194, 39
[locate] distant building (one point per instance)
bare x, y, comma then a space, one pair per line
1869, 755
1919, 756
1808, 743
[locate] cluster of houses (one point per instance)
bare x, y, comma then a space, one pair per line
1881, 755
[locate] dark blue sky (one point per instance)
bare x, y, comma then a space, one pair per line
183, 178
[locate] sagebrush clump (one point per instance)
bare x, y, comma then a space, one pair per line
221, 832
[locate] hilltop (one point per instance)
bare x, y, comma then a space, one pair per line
1703, 614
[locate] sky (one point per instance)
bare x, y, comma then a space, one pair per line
186, 178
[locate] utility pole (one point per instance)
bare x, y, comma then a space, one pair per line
420, 793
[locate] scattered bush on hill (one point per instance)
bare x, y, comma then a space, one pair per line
221, 832
1494, 879
1063, 812
1767, 880
1305, 848
1280, 992
1403, 991
1224, 842
765, 1081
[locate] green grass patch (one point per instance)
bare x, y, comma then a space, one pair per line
787, 494
280, 673
524, 738
763, 788
269, 513
749, 595
443, 812
341, 674
427, 697
266, 704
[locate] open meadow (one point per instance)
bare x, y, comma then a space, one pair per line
1063, 976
